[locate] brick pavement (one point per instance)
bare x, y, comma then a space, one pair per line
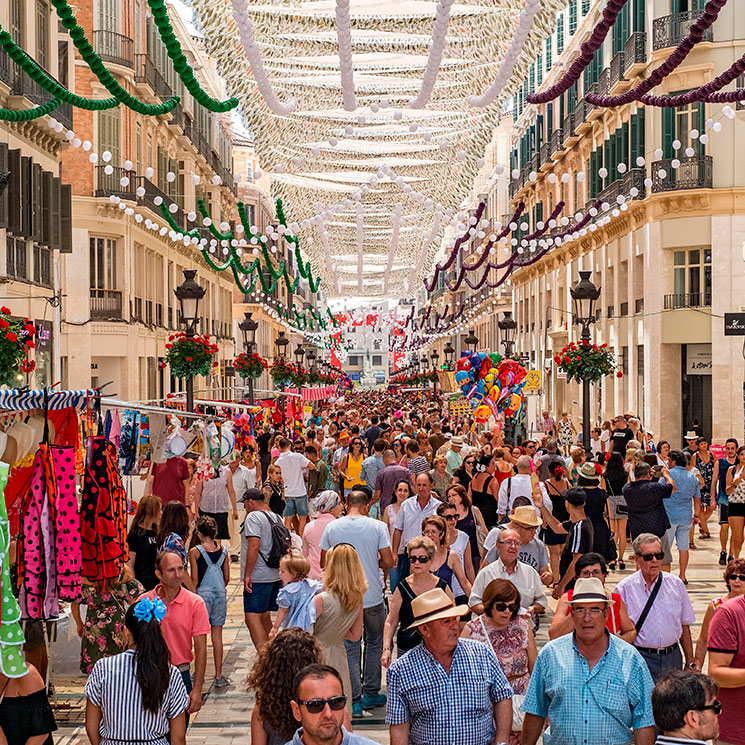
225, 716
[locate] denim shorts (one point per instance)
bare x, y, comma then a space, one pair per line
263, 598
217, 606
296, 505
680, 533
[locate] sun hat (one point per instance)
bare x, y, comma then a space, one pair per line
343, 434
525, 515
456, 442
589, 472
589, 590
434, 605
691, 435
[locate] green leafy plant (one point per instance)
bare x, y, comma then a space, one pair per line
190, 356
585, 361
250, 365
282, 371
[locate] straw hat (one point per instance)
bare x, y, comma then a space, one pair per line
589, 590
434, 605
525, 515
456, 442
691, 435
589, 472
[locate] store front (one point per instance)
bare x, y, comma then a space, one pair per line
696, 364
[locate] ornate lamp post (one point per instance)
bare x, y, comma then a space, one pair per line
472, 341
188, 294
584, 294
310, 355
248, 328
508, 328
449, 354
435, 356
299, 354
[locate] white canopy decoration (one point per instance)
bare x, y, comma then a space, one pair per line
339, 93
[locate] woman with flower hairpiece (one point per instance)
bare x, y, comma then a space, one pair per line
137, 696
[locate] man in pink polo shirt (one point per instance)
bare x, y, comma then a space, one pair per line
186, 624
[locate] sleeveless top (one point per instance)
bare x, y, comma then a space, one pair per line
707, 471
467, 525
408, 638
484, 500
444, 572
215, 497
354, 469
557, 499
738, 495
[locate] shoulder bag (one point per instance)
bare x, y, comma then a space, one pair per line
648, 606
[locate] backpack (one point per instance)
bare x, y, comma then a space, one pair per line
281, 542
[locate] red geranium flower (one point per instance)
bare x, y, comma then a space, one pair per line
619, 374
10, 336
5, 310
190, 359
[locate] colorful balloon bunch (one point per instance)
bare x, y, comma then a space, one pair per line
493, 385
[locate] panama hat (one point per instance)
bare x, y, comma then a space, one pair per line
691, 435
525, 515
434, 605
589, 590
589, 472
456, 442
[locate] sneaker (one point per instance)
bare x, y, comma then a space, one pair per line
357, 710
371, 702
730, 558
723, 558
221, 682
235, 559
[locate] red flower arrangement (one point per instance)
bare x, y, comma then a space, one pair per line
190, 356
16, 339
584, 361
282, 371
250, 365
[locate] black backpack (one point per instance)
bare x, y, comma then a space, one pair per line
281, 542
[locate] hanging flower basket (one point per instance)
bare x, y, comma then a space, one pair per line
250, 365
282, 372
300, 377
190, 357
584, 361
16, 339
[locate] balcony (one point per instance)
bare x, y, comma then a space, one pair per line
688, 300
617, 67
22, 85
146, 72
115, 48
567, 129
151, 192
556, 141
604, 82
621, 186
634, 52
5, 67
693, 173
110, 183
106, 304
669, 31
545, 158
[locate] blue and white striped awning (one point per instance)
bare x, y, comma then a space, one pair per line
12, 399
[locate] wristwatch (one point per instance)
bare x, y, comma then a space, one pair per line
691, 666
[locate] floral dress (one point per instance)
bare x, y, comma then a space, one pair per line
103, 634
511, 647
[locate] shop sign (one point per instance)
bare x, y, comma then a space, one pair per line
734, 324
698, 359
533, 380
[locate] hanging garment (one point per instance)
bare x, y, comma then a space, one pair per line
103, 515
107, 423
115, 435
12, 640
128, 443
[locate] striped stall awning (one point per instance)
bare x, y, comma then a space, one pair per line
317, 394
12, 399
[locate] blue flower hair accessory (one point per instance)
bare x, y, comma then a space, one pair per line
147, 610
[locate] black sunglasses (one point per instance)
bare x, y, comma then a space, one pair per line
455, 517
501, 607
741, 577
317, 705
419, 559
659, 555
716, 707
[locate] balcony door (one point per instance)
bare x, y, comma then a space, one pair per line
683, 6
109, 15
106, 297
692, 278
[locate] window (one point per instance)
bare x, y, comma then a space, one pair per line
249, 172
560, 34
572, 17
138, 146
692, 277
42, 33
377, 360
15, 257
621, 29
549, 51
108, 134
103, 263
585, 7
42, 266
17, 25
109, 14
677, 124
63, 74
639, 15
355, 360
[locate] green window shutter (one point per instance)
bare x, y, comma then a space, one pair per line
539, 69
621, 29
572, 17
531, 79
560, 34
639, 15
625, 144
668, 132
585, 7
549, 53
538, 213
641, 135
549, 120
701, 126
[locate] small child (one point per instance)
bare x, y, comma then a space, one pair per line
296, 598
210, 572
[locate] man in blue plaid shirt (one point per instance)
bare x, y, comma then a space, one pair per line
447, 691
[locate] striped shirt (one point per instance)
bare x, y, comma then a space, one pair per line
113, 687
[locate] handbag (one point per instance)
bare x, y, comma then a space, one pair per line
518, 715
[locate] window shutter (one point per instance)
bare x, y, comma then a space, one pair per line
66, 219
46, 209
15, 192
538, 213
668, 132
4, 195
35, 205
549, 53
621, 29
701, 126
572, 16
560, 34
625, 145
55, 227
639, 15
26, 197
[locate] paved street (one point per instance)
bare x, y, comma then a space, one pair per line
225, 716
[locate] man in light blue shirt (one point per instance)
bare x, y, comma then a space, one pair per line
371, 467
594, 688
682, 506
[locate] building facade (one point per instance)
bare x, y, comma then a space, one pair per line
118, 282
669, 261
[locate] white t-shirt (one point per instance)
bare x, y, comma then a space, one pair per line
292, 465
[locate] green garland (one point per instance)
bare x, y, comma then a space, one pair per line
26, 115
80, 40
48, 84
180, 64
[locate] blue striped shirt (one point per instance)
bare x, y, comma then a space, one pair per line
113, 687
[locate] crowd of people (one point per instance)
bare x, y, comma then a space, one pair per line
392, 537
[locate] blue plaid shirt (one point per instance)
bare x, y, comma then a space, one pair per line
442, 708
601, 706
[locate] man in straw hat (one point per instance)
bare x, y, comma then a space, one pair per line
594, 687
447, 690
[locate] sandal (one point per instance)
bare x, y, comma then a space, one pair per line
612, 565
692, 546
621, 565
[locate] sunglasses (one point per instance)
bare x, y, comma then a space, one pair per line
502, 607
317, 705
659, 555
455, 517
741, 577
419, 559
716, 707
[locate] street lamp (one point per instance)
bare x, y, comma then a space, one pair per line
281, 343
449, 354
435, 359
508, 328
248, 328
299, 354
188, 294
471, 341
310, 355
584, 294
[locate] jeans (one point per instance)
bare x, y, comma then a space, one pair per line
372, 634
186, 677
395, 576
